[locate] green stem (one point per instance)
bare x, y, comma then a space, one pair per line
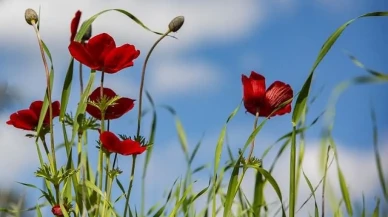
107, 183
292, 193
253, 141
48, 96
81, 81
130, 185
45, 145
101, 152
143, 78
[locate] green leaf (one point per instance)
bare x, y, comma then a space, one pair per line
379, 166
316, 211
45, 105
85, 25
66, 90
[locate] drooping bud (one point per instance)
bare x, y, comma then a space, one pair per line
87, 34
31, 16
176, 23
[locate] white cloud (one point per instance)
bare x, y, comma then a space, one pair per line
18, 153
174, 77
206, 24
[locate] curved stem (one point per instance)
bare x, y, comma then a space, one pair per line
48, 95
142, 80
130, 185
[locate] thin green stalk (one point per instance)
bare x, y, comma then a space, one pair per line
324, 181
107, 183
130, 184
253, 141
142, 81
54, 163
81, 81
292, 193
101, 152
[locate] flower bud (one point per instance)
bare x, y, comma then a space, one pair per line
31, 16
176, 23
87, 34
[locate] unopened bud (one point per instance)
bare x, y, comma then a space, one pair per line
87, 34
31, 16
176, 23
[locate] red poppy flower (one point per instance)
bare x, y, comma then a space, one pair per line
74, 24
27, 119
56, 210
126, 147
100, 53
257, 99
118, 109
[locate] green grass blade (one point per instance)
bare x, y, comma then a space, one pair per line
149, 151
382, 76
232, 186
217, 157
316, 211
85, 25
45, 101
66, 90
345, 191
379, 166
376, 212
301, 102
258, 195
82, 106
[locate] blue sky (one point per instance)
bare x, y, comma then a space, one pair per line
199, 75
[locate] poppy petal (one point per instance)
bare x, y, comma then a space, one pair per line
130, 147
74, 25
120, 58
99, 46
277, 94
82, 55
253, 92
36, 107
23, 119
120, 107
96, 94
110, 141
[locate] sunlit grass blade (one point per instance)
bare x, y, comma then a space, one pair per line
217, 157
376, 211
258, 195
232, 186
342, 181
38, 211
379, 166
274, 185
